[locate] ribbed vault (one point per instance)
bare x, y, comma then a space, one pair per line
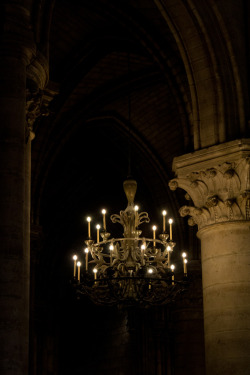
160, 74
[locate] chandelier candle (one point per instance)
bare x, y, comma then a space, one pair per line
154, 229
111, 248
184, 256
78, 266
185, 267
97, 233
164, 213
75, 259
104, 219
89, 232
172, 269
95, 273
86, 258
143, 247
170, 221
168, 250
136, 215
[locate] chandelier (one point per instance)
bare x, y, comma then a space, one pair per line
132, 270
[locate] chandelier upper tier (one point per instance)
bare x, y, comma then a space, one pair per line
132, 270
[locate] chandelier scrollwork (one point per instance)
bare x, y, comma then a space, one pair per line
132, 270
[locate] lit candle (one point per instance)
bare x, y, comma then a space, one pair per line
143, 247
164, 213
79, 266
95, 273
170, 228
172, 269
111, 248
89, 232
150, 271
185, 267
86, 250
154, 229
184, 256
98, 231
75, 259
168, 250
136, 208
104, 219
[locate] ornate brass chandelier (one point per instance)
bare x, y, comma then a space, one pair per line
132, 270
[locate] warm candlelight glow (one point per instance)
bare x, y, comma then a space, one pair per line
185, 266
164, 213
79, 266
170, 221
75, 258
111, 248
104, 218
132, 266
97, 233
89, 232
143, 247
184, 255
154, 229
169, 254
86, 250
172, 269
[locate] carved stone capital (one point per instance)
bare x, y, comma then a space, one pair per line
217, 180
37, 104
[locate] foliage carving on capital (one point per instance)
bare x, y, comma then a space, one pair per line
218, 194
34, 109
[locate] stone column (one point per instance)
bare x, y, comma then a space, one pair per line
17, 50
14, 231
218, 181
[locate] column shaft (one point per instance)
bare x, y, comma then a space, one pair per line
226, 296
14, 218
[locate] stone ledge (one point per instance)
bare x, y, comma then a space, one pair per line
207, 157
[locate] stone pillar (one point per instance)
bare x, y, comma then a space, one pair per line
14, 255
218, 181
17, 49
